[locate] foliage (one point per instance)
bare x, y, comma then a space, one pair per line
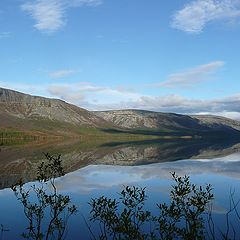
128, 223
183, 217
127, 219
47, 212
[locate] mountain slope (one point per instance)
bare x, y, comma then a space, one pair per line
21, 111
139, 119
147, 119
216, 121
18, 110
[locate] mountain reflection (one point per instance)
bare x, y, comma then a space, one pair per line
21, 161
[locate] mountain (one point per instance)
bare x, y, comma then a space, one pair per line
26, 112
19, 111
148, 119
139, 119
216, 121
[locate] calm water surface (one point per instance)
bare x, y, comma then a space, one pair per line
96, 169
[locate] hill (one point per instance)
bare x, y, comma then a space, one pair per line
169, 122
32, 113
40, 115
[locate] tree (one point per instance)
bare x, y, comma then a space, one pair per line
128, 219
47, 211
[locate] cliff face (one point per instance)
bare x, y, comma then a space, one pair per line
27, 107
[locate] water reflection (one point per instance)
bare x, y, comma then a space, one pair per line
21, 161
96, 177
97, 167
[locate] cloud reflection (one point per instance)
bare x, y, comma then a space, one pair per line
97, 177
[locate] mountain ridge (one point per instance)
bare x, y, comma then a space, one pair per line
17, 107
171, 121
26, 112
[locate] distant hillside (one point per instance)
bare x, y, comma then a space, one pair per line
216, 121
147, 119
139, 119
26, 112
19, 111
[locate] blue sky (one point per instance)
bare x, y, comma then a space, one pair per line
171, 56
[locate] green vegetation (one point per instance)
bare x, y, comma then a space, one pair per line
45, 129
174, 133
57, 207
13, 137
13, 134
188, 215
90, 135
181, 219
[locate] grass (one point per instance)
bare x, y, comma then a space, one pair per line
47, 129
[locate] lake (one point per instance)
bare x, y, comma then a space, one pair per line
97, 167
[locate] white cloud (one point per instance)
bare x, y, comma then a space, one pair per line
49, 15
93, 97
4, 35
28, 88
232, 115
195, 15
79, 3
177, 104
65, 92
94, 177
193, 76
87, 94
61, 73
